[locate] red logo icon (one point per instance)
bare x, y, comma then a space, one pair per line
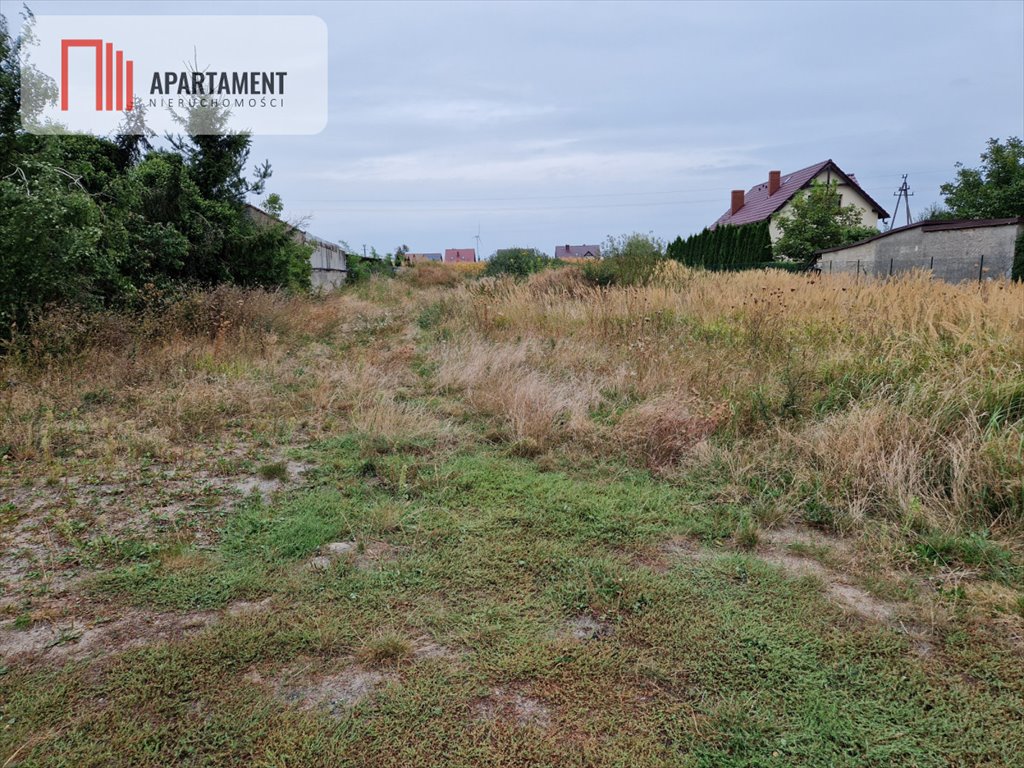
113, 92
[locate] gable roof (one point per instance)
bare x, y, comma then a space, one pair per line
578, 251
459, 254
758, 205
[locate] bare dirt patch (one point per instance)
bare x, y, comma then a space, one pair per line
333, 686
687, 549
511, 705
425, 647
787, 549
853, 598
76, 638
679, 548
293, 471
373, 555
54, 531
365, 556
794, 550
585, 627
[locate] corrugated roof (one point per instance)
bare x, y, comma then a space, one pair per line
758, 205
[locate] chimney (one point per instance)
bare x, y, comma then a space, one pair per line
774, 182
737, 200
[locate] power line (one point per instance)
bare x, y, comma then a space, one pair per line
580, 196
509, 210
902, 194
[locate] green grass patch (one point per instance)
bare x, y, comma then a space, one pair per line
277, 470
717, 661
975, 550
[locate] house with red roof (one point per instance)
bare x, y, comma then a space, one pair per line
769, 198
459, 255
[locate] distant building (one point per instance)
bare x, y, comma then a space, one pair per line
459, 255
767, 199
412, 258
577, 251
954, 251
327, 259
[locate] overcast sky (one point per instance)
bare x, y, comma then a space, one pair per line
565, 122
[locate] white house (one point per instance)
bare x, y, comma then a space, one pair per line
767, 199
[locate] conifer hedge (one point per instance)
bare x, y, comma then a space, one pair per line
728, 247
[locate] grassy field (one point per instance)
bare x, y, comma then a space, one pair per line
747, 519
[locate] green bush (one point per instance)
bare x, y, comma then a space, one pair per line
362, 269
518, 262
627, 260
50, 246
601, 272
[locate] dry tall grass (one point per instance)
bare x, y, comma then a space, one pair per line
834, 401
899, 400
228, 366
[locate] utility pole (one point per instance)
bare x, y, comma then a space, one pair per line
904, 194
479, 256
364, 250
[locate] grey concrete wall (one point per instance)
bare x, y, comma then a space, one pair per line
327, 278
954, 255
328, 262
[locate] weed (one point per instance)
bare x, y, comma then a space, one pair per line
385, 649
973, 550
746, 535
277, 470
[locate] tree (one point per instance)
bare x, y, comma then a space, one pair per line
16, 80
815, 220
216, 156
936, 212
274, 205
993, 191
